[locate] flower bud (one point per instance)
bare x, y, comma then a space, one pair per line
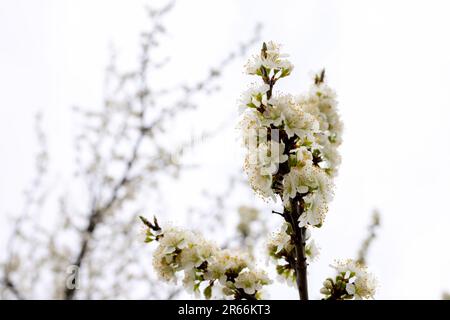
325, 291
328, 284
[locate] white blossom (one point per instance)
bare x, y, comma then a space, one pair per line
262, 161
314, 125
317, 188
253, 97
300, 136
321, 103
271, 154
359, 283
312, 251
296, 121
315, 210
200, 261
281, 248
303, 157
272, 60
279, 241
174, 239
251, 281
260, 183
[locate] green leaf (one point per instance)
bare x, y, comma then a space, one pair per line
208, 292
148, 240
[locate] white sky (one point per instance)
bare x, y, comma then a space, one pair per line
388, 60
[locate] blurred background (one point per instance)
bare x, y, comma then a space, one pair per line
77, 76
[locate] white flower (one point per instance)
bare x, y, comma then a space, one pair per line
273, 50
349, 265
292, 184
280, 241
190, 281
315, 209
216, 271
163, 264
332, 156
303, 156
196, 253
321, 103
233, 260
317, 188
312, 251
253, 97
260, 183
272, 115
247, 281
181, 251
270, 156
361, 284
308, 178
253, 65
309, 129
251, 281
295, 120
174, 239
300, 123
252, 129
365, 286
272, 60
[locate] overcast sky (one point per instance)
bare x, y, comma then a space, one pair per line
389, 62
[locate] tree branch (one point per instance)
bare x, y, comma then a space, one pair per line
364, 249
12, 287
298, 237
97, 213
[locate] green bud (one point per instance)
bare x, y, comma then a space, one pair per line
328, 284
208, 292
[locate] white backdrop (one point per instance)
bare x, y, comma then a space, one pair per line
389, 62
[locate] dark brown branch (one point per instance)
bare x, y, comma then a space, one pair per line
279, 213
298, 234
298, 237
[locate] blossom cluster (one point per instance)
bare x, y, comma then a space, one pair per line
204, 267
291, 140
352, 281
270, 63
282, 250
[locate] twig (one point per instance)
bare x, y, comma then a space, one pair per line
374, 225
279, 213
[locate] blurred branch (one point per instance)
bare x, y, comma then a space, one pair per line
365, 246
34, 197
211, 217
146, 132
9, 285
121, 151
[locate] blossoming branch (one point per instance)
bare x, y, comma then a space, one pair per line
292, 153
206, 268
